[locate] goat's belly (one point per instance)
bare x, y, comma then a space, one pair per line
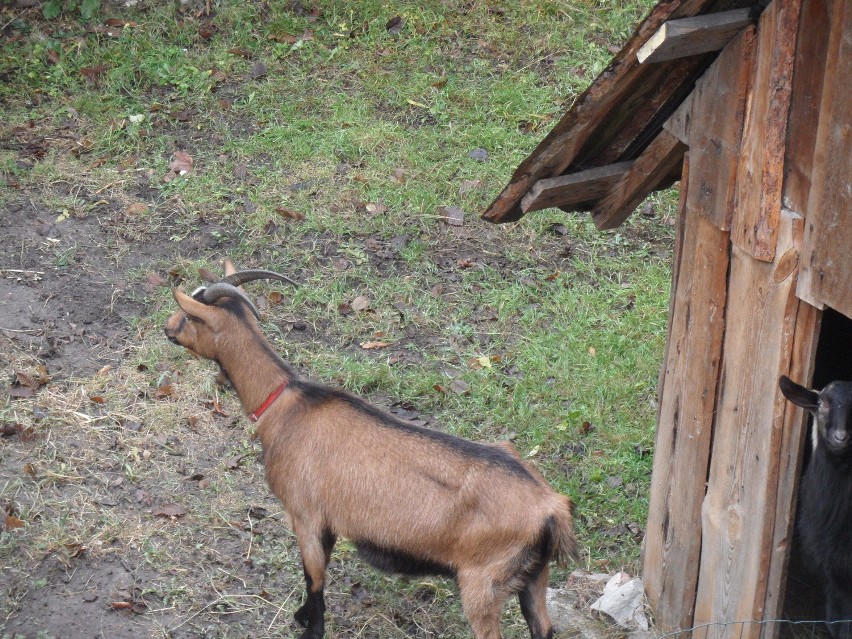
396, 561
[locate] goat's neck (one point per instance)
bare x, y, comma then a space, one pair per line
253, 368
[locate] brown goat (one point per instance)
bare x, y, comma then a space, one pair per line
411, 499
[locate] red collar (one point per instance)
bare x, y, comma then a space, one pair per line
272, 397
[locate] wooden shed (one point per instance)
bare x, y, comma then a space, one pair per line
749, 108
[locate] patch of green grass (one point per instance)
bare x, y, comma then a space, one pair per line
550, 336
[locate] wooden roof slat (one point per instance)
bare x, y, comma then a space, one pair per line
579, 129
657, 164
574, 188
693, 36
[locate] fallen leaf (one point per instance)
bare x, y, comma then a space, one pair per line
289, 214
169, 510
360, 303
469, 185
206, 30
234, 463
137, 208
180, 164
453, 215
460, 387
13, 522
29, 469
121, 605
465, 262
592, 351
241, 52
96, 399
93, 74
398, 176
164, 390
372, 345
375, 209
552, 276
440, 83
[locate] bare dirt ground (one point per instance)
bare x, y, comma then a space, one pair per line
71, 296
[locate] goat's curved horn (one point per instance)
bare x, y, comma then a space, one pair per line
242, 277
219, 290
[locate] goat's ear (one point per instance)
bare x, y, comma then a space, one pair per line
229, 268
191, 306
798, 394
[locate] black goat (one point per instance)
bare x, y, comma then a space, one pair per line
824, 521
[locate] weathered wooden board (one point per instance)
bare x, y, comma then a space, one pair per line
811, 51
760, 170
692, 36
661, 159
687, 400
588, 118
738, 514
716, 127
827, 255
793, 431
574, 188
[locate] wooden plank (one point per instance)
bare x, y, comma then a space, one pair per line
760, 170
692, 36
811, 52
716, 130
827, 256
738, 514
679, 123
660, 160
574, 188
687, 400
793, 433
622, 78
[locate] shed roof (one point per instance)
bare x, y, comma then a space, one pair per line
610, 150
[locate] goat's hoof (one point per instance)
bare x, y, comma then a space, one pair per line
301, 616
311, 633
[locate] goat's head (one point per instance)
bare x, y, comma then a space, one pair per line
209, 311
832, 411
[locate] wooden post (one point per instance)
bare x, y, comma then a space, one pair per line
738, 515
681, 452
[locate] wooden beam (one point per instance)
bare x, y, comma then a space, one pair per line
826, 277
760, 169
685, 421
693, 36
622, 78
651, 169
573, 189
715, 129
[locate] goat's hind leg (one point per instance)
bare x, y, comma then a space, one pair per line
482, 600
316, 552
533, 598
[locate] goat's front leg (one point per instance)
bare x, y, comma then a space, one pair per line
315, 546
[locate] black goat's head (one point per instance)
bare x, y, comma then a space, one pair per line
832, 411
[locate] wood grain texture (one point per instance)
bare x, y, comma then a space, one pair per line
738, 514
692, 36
826, 277
760, 169
672, 541
811, 52
658, 162
716, 127
794, 422
574, 188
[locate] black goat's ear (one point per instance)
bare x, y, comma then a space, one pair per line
798, 394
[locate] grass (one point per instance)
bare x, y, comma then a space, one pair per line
557, 338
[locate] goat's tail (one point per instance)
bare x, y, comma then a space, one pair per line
563, 545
